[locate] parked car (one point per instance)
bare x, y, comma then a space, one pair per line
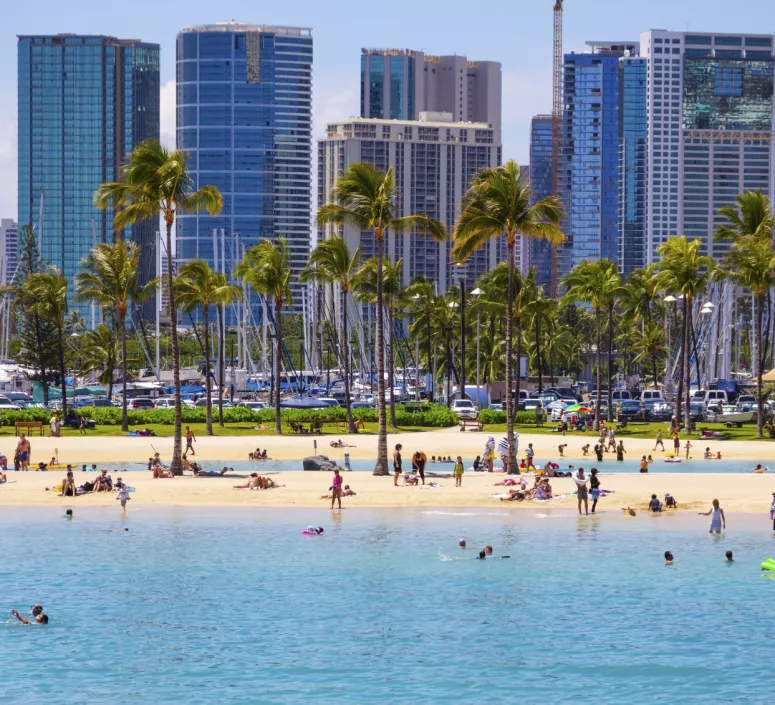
746, 402
18, 397
214, 403
530, 405
464, 409
660, 411
649, 395
497, 406
697, 410
715, 396
620, 394
361, 405
329, 401
141, 403
629, 409
545, 395
564, 393
253, 405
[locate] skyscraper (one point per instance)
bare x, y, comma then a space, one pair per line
540, 253
433, 161
244, 96
710, 125
399, 84
9, 249
84, 103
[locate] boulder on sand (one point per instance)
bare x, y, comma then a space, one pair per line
320, 462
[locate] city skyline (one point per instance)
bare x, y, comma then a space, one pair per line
520, 38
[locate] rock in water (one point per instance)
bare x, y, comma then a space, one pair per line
320, 462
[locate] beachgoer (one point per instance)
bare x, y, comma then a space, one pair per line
620, 451
585, 449
488, 550
462, 543
581, 487
717, 519
644, 464
53, 425
529, 453
123, 495
24, 451
185, 462
346, 462
418, 463
82, 425
489, 453
729, 557
69, 514
676, 444
659, 442
252, 483
433, 458
759, 469
594, 488
459, 469
336, 489
655, 505
68, 486
397, 464
190, 439
688, 448
668, 558
599, 452
477, 463
103, 482
39, 619
562, 448
670, 502
708, 455
611, 439
718, 455
651, 460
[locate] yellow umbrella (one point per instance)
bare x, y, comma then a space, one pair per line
769, 377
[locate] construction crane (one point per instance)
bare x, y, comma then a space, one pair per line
556, 127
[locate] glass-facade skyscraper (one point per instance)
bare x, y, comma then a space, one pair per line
540, 253
84, 103
244, 116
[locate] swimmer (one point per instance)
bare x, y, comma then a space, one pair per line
39, 619
462, 543
668, 558
488, 550
118, 531
758, 469
482, 555
69, 514
729, 557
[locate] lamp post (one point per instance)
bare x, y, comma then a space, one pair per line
453, 305
448, 330
477, 292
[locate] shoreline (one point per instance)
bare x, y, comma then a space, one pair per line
745, 494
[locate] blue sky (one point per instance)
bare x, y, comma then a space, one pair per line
518, 33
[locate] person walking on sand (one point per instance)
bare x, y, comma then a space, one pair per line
489, 453
717, 519
459, 471
659, 442
611, 439
190, 440
53, 426
336, 489
594, 488
581, 487
123, 495
397, 464
688, 447
529, 453
620, 452
23, 451
82, 425
676, 444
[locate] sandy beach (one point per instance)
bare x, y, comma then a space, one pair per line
449, 441
737, 493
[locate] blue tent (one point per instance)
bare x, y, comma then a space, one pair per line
302, 403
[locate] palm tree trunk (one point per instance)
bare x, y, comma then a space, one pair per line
679, 391
759, 370
381, 468
124, 413
61, 341
512, 460
610, 360
176, 465
538, 353
597, 367
221, 355
208, 390
519, 364
346, 350
430, 363
391, 376
41, 358
278, 309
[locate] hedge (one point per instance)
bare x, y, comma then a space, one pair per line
488, 416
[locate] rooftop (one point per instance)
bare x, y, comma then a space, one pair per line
412, 123
233, 26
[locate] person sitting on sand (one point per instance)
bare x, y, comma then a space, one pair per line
68, 486
103, 482
718, 455
264, 456
759, 469
252, 483
336, 444
185, 462
433, 458
670, 502
252, 455
261, 427
346, 492
209, 473
655, 505
708, 455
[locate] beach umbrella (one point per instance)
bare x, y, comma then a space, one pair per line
573, 407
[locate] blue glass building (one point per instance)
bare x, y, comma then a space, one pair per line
244, 114
541, 187
84, 103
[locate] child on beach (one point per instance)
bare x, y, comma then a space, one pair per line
562, 448
670, 502
123, 495
459, 472
336, 489
717, 519
396, 464
688, 447
585, 449
655, 505
594, 488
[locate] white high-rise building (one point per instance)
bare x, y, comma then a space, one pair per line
9, 249
710, 129
433, 161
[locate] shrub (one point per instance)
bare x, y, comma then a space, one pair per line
488, 416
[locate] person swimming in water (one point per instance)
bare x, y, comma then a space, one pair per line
668, 558
462, 543
729, 557
40, 617
69, 514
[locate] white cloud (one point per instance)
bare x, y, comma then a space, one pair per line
167, 118
8, 171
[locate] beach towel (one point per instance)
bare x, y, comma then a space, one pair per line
551, 499
501, 496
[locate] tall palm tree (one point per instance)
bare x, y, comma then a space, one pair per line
649, 348
224, 294
542, 312
99, 350
751, 215
420, 297
266, 267
331, 262
48, 293
365, 198
596, 283
750, 263
682, 269
498, 202
157, 182
109, 276
365, 283
196, 284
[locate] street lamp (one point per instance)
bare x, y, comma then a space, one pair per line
460, 277
477, 292
453, 305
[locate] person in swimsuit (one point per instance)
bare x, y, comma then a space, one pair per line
668, 558
68, 486
459, 472
336, 489
599, 452
190, 439
676, 444
418, 463
717, 519
39, 619
397, 464
594, 488
581, 486
23, 452
659, 442
620, 452
644, 464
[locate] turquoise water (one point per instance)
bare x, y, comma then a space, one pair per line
236, 606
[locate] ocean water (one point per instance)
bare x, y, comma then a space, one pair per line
237, 606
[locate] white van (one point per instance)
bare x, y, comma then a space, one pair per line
715, 396
652, 395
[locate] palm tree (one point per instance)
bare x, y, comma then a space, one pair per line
109, 276
364, 198
649, 347
157, 182
99, 349
266, 268
48, 293
420, 297
541, 311
365, 284
596, 283
331, 262
196, 284
224, 294
682, 269
498, 202
751, 215
750, 263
